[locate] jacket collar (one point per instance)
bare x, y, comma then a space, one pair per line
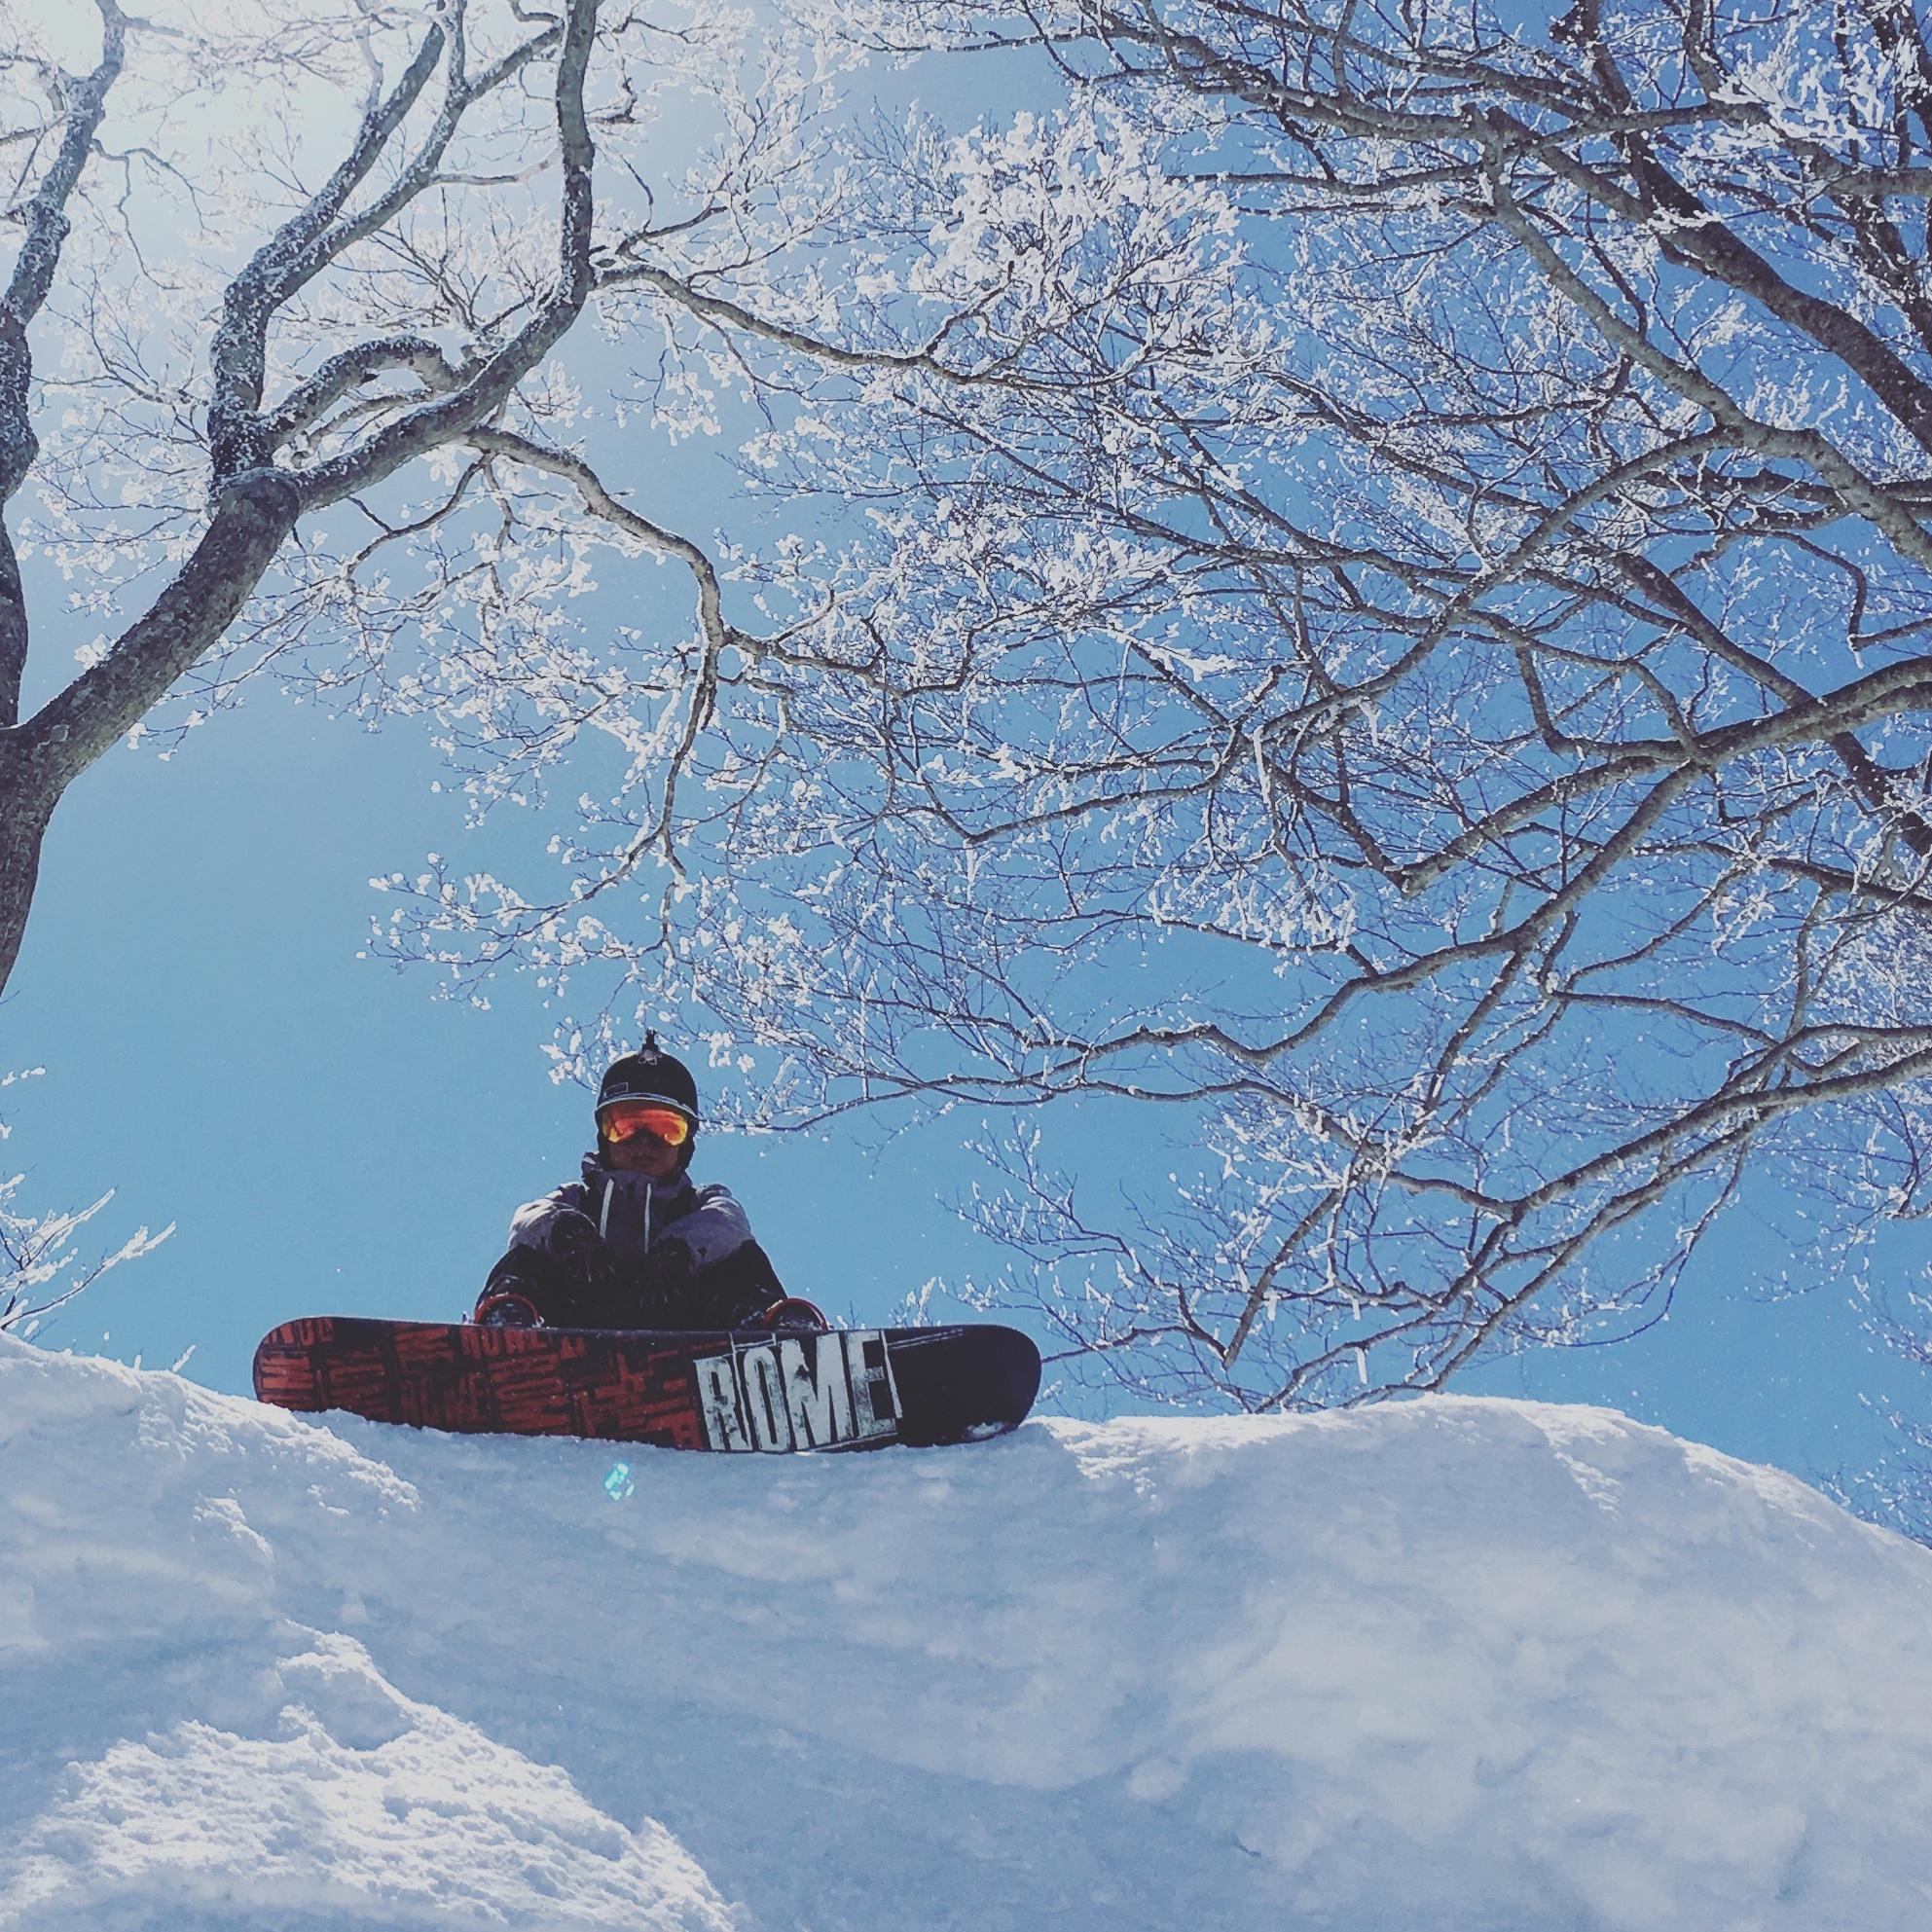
669, 1194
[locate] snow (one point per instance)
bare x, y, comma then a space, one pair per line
1474, 1662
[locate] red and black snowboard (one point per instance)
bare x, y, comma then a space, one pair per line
853, 1389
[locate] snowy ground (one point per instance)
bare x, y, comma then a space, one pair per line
1458, 1664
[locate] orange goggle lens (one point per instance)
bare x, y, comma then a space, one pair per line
628, 1119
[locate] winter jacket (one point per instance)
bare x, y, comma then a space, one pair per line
620, 1250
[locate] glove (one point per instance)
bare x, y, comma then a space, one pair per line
506, 1309
580, 1253
666, 1278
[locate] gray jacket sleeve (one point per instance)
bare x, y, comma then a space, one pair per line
715, 1228
532, 1224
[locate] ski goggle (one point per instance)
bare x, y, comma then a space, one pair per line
625, 1119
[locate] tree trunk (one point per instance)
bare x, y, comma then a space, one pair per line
40, 758
21, 831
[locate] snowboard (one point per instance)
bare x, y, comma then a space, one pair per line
744, 1390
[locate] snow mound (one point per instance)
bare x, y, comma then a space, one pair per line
1475, 1662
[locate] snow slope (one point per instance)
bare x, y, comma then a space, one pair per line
1468, 1663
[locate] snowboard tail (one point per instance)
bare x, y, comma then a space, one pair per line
752, 1390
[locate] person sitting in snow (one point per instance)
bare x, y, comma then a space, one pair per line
635, 1244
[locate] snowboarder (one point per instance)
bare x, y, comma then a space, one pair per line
635, 1244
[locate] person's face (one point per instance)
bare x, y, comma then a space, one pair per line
643, 1153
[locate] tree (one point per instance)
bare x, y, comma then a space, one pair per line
291, 394
1386, 652
300, 349
41, 1271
